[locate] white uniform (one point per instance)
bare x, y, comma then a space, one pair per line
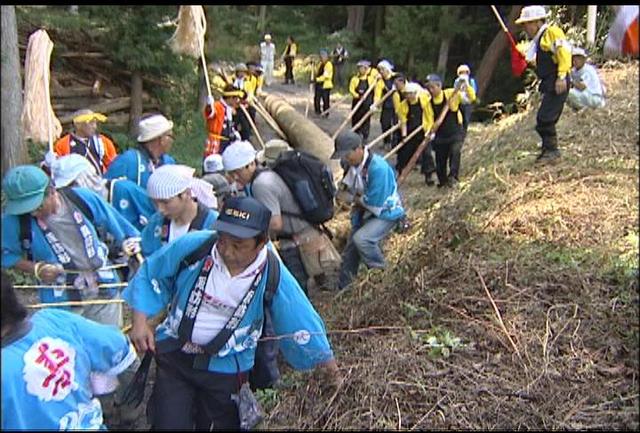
267, 58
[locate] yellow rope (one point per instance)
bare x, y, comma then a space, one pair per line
77, 303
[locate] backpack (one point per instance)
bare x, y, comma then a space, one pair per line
310, 182
264, 372
25, 219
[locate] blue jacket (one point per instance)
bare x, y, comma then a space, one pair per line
135, 165
40, 391
155, 234
131, 201
381, 190
103, 215
156, 285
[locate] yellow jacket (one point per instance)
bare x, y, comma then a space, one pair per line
292, 52
327, 75
555, 41
353, 84
380, 89
424, 101
427, 113
250, 85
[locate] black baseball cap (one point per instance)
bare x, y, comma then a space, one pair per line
243, 217
346, 142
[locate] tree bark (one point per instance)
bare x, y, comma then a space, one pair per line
136, 102
496, 48
202, 88
378, 29
443, 57
262, 19
355, 18
14, 150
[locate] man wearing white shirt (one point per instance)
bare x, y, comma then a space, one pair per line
267, 58
586, 88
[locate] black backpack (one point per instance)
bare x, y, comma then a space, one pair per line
25, 219
310, 182
265, 372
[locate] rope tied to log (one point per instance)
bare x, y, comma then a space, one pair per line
39, 121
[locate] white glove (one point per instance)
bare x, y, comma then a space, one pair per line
131, 246
373, 107
431, 136
210, 100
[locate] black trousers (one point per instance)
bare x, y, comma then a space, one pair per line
321, 95
447, 157
185, 399
467, 109
428, 164
388, 118
245, 126
407, 150
288, 71
292, 260
358, 115
547, 117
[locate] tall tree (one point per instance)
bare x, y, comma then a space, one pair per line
14, 151
355, 18
262, 18
495, 50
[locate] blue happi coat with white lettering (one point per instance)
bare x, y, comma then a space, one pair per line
156, 285
103, 215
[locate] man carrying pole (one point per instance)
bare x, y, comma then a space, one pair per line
358, 86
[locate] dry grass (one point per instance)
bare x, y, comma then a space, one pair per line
533, 268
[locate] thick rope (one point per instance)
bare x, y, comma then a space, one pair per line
39, 122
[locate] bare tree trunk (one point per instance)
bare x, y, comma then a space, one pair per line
136, 103
202, 87
493, 53
379, 27
14, 150
262, 19
210, 44
443, 56
355, 18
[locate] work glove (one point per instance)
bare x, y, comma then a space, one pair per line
373, 107
210, 100
131, 246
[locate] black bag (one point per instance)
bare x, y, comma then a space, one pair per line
310, 182
265, 372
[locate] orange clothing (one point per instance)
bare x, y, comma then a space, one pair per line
99, 149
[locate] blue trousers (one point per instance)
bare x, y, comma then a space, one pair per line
364, 245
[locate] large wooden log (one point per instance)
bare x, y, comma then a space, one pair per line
302, 133
106, 107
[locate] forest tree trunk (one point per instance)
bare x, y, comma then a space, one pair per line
14, 150
136, 103
443, 56
355, 18
496, 49
262, 18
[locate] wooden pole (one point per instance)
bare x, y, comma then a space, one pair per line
357, 106
253, 125
403, 142
370, 113
497, 14
270, 120
383, 136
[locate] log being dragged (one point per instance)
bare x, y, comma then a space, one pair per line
302, 133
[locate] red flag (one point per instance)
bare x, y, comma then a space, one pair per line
518, 60
623, 34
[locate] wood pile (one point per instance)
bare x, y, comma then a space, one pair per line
84, 77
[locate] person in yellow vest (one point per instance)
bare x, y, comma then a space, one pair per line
388, 116
86, 141
217, 79
260, 78
412, 114
323, 83
358, 86
248, 83
288, 55
551, 53
449, 135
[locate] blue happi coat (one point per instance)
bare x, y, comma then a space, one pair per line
131, 201
156, 233
156, 285
46, 371
135, 165
103, 215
